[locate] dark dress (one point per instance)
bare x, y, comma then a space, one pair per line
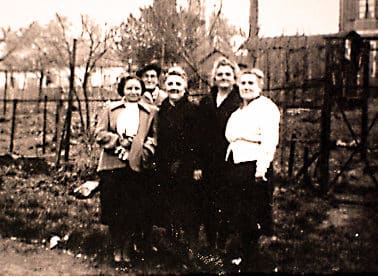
122, 198
176, 157
124, 193
213, 151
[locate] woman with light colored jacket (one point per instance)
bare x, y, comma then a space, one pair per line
124, 135
252, 132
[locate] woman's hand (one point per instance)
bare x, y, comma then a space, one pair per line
122, 153
197, 174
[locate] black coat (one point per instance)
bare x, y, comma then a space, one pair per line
177, 151
213, 126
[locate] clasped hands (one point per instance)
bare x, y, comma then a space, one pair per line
123, 149
260, 177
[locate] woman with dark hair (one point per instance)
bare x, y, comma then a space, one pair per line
149, 74
121, 132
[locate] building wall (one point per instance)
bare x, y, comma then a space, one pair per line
355, 16
362, 16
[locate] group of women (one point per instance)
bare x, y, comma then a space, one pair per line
169, 162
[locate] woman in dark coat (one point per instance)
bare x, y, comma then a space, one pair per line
121, 132
215, 109
177, 157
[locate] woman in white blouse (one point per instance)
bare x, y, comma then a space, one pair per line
252, 132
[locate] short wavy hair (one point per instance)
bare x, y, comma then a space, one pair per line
222, 61
254, 71
178, 71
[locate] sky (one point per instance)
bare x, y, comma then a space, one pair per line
276, 17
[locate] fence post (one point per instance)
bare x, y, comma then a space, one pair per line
305, 69
306, 164
284, 111
13, 126
60, 145
365, 99
267, 73
59, 105
69, 108
325, 131
291, 155
44, 125
5, 93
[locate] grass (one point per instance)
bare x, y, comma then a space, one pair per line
36, 206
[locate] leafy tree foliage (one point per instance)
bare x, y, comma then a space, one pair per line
165, 35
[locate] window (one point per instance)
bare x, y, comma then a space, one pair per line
366, 8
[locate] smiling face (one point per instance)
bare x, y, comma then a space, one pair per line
133, 90
224, 77
150, 79
249, 86
175, 86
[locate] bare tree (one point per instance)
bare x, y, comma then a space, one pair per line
10, 40
96, 42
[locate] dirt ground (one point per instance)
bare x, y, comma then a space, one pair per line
18, 258
314, 234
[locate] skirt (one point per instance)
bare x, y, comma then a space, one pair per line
249, 205
124, 198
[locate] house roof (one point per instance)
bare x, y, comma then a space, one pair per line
282, 42
210, 46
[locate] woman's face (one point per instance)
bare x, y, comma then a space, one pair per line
224, 77
133, 90
175, 86
249, 86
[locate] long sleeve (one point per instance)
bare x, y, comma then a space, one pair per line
104, 137
269, 138
253, 133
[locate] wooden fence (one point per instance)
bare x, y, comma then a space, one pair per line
29, 131
294, 69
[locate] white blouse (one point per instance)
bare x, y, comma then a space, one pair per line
253, 133
128, 120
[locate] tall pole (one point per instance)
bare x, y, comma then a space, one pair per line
365, 99
69, 108
5, 93
253, 18
326, 123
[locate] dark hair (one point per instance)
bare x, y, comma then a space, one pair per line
123, 81
151, 66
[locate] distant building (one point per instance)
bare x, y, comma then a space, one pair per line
358, 15
362, 16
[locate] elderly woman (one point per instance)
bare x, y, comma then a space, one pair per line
252, 132
177, 156
121, 132
215, 109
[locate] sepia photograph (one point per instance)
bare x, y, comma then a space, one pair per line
188, 137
